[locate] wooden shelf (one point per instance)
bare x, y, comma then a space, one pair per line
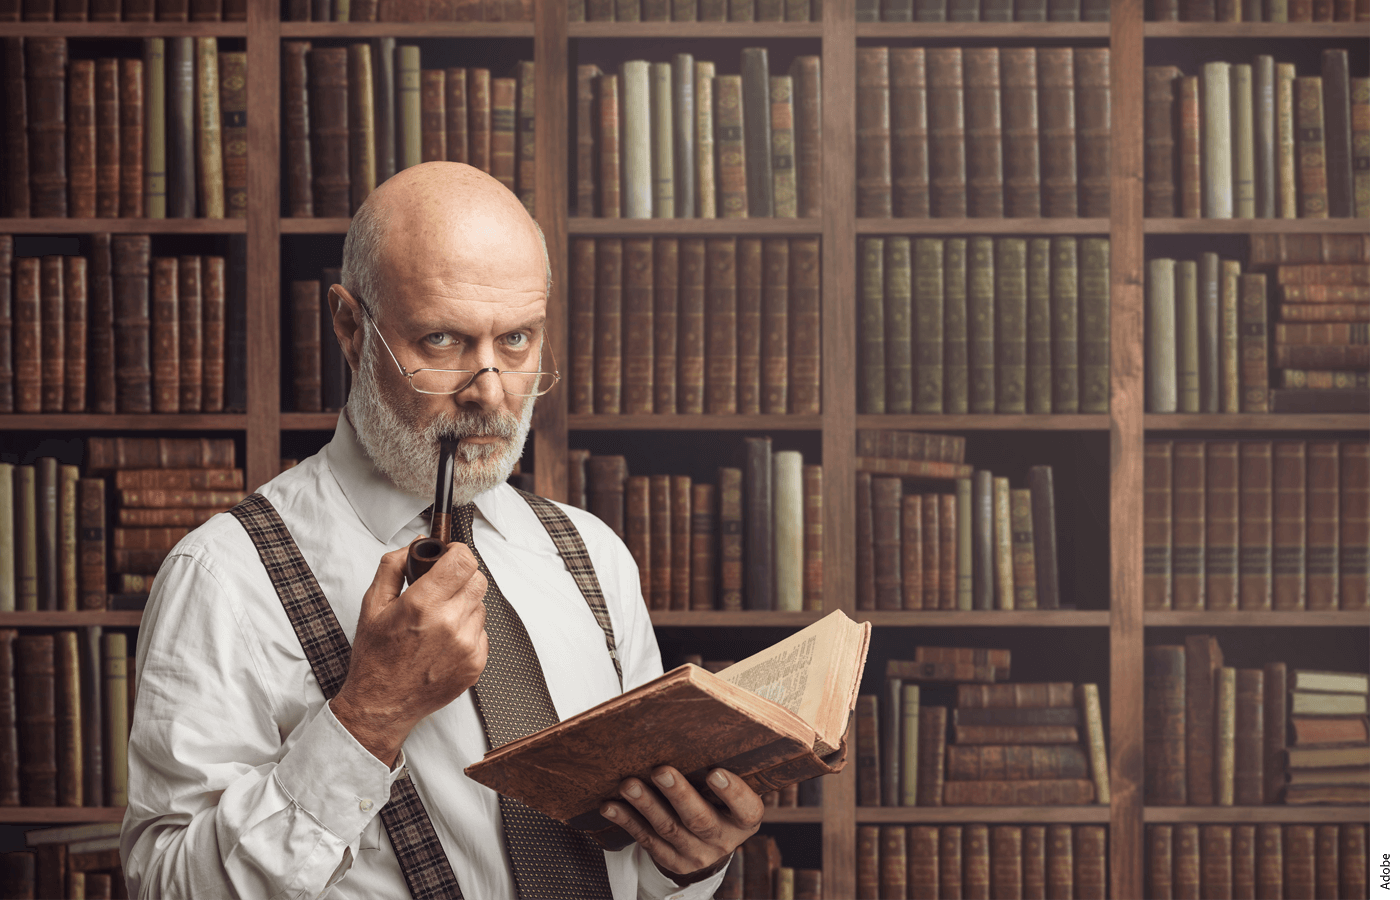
993, 422
315, 226
648, 227
321, 421
807, 30
983, 618
60, 815
1270, 30
723, 618
1247, 814
1257, 422
107, 30
645, 422
123, 226
1256, 226
123, 422
113, 618
1167, 618
492, 30
800, 815
1058, 31
919, 815
982, 226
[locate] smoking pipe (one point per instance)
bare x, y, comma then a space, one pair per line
425, 551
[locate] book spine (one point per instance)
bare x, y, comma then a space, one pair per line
964, 556
67, 544
691, 327
705, 125
1189, 160
1222, 524
75, 334
1054, 108
867, 734
1361, 146
638, 326
116, 716
982, 79
976, 854
28, 336
585, 188
773, 372
1313, 194
702, 547
1090, 861
297, 136
1042, 792
607, 351
1256, 524
659, 546
26, 539
865, 542
898, 319
665, 295
1164, 726
994, 762
1249, 737
382, 52
871, 306
1242, 863
807, 133
1203, 662
1006, 861
1264, 137
874, 173
1328, 882
947, 157
981, 325
721, 324
1322, 525
679, 537
683, 133
894, 861
16, 140
131, 323
923, 860
1224, 763
35, 716
165, 334
983, 546
804, 326
783, 148
233, 113
1290, 525
1020, 132
749, 323
51, 342
524, 134
911, 532
886, 503
1009, 326
950, 855
1229, 357
660, 142
1188, 328
1004, 596
1093, 325
1161, 348
208, 135
1285, 75
68, 720
1216, 148
1269, 860
107, 123
955, 327
1208, 331
787, 552
909, 147
1242, 140
929, 551
9, 737
1186, 859
45, 68
1160, 151
1354, 563
502, 135
190, 340
1039, 365
1352, 861
927, 326
1299, 860
638, 531
1091, 118
306, 353
1188, 525
408, 109
181, 156
7, 372
1336, 109
1064, 324
731, 543
635, 139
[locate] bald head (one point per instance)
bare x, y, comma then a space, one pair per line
445, 223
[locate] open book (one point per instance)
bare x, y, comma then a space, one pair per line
773, 719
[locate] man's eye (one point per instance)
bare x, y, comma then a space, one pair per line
438, 339
518, 340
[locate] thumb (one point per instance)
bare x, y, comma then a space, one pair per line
387, 583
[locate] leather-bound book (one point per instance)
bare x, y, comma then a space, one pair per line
582, 267
922, 852
335, 372
1020, 132
9, 736
983, 546
67, 719
812, 567
705, 188
1045, 554
1352, 861
1328, 886
28, 336
1268, 855
1203, 662
115, 716
1159, 862
1290, 524
159, 453
92, 544
804, 326
586, 187
1322, 530
867, 862
330, 132
236, 325
503, 110
773, 371
35, 715
1000, 762
1004, 595
929, 552
955, 326
454, 113
297, 128
911, 532
107, 138
1039, 792
721, 325
131, 303
731, 538
679, 535
638, 327
607, 478
659, 546
731, 147
783, 148
212, 316
306, 306
361, 125
1190, 318
871, 334
1093, 324
1222, 524
898, 316
578, 478
1164, 727
758, 523
165, 335
886, 502
45, 68
1090, 862
525, 134
1188, 525
208, 129
761, 863
874, 179
1059, 174
867, 740
1265, 123
1160, 151
681, 113
1361, 146
690, 337
1217, 855
1186, 861
1285, 141
1010, 324
1242, 879
865, 542
758, 130
635, 139
1243, 178
1256, 512
807, 134
408, 109
637, 532
132, 112
976, 861
385, 108
1299, 861
1249, 737
181, 168
1355, 521
26, 538
894, 861
51, 343
981, 325
982, 102
1310, 129
1006, 861
1224, 761
1253, 339
607, 350
909, 147
189, 315
927, 325
950, 856
1091, 122
67, 543
1039, 365
16, 130
1160, 350
75, 333
1188, 148
1336, 112
749, 323
947, 159
7, 372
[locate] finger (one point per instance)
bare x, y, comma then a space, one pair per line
661, 852
662, 818
387, 582
694, 812
453, 570
745, 806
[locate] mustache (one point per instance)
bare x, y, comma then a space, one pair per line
470, 423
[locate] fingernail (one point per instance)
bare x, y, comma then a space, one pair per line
718, 780
633, 790
610, 812
665, 779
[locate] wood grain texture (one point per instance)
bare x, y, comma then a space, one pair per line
552, 81
264, 439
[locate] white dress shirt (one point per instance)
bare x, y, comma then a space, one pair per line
244, 784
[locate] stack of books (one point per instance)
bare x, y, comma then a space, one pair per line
156, 137
1268, 860
356, 115
695, 10
696, 325
752, 543
67, 861
126, 11
982, 11
1216, 735
983, 546
1269, 11
757, 872
978, 860
1258, 140
677, 140
408, 11
320, 377
983, 325
1329, 755
1256, 525
982, 132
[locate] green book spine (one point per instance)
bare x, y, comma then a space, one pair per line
1093, 325
1188, 347
154, 72
872, 325
899, 370
928, 313
1161, 336
1010, 326
758, 127
964, 545
1038, 354
1064, 324
408, 103
955, 326
1208, 322
981, 325
909, 746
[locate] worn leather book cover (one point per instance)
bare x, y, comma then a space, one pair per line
1005, 594
758, 130
75, 333
1352, 860
758, 523
1015, 734
1224, 761
930, 544
208, 125
7, 373
1310, 129
894, 861
950, 855
1337, 137
1322, 530
638, 326
773, 367
181, 167
51, 343
9, 736
812, 568
1203, 662
159, 453
865, 542
607, 478
212, 317
1033, 885
981, 325
749, 323
1253, 340
770, 743
28, 336
26, 542
296, 138
1160, 150
1222, 524
1328, 883
637, 530
940, 670
690, 337
1093, 324
107, 137
67, 719
871, 334
306, 346
909, 149
922, 852
1039, 364
762, 860
607, 147
66, 545
1264, 125
16, 140
1249, 737
1186, 860
1043, 544
585, 193
1256, 514
361, 124
131, 321
947, 157
731, 538
982, 79
165, 335
984, 569
705, 114
35, 716
898, 319
503, 112
1090, 862
1188, 150
525, 134
191, 333
804, 326
1355, 523
874, 178
330, 132
867, 737
721, 324
1299, 860
886, 501
682, 515
607, 349
45, 69
807, 133
665, 297
927, 325
994, 762
867, 861
783, 150
1188, 525
1091, 122
976, 859
1039, 792
659, 546
1290, 524
1164, 726
1020, 132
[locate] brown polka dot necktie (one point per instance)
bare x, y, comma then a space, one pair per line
550, 859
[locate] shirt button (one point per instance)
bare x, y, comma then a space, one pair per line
366, 806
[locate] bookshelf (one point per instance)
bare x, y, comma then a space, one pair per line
1121, 629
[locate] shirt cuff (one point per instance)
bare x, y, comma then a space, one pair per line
328, 773
651, 883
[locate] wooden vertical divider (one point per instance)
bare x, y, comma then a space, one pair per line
550, 424
264, 434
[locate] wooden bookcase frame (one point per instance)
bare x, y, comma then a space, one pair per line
264, 423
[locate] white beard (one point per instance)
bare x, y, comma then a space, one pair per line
407, 452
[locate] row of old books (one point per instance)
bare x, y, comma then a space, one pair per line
983, 325
977, 860
756, 872
984, 546
1261, 10
1258, 141
1256, 525
66, 861
677, 140
753, 542
355, 115
65, 701
695, 10
115, 331
717, 325
161, 136
53, 538
124, 11
982, 10
320, 377
408, 11
1222, 736
1267, 860
982, 132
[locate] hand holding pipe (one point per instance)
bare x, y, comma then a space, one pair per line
425, 551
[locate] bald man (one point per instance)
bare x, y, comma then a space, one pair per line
245, 780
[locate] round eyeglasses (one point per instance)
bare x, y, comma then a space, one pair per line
453, 381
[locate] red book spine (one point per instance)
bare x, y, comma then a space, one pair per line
165, 335
107, 133
51, 342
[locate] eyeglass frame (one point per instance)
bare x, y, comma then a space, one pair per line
544, 341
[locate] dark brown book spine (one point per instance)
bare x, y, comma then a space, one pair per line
867, 735
894, 861
1188, 525
1091, 110
976, 861
680, 541
1020, 132
1336, 111
82, 139
51, 343
731, 538
9, 736
1299, 861
666, 300
330, 131
886, 500
691, 328
659, 512
455, 114
773, 370
807, 133
7, 372
1159, 862
1355, 525
297, 129
16, 130
1090, 862
582, 268
607, 350
46, 63
874, 178
911, 528
1222, 524
212, 321
867, 862
923, 861
107, 137
638, 326
748, 323
180, 127
585, 193
433, 87
1323, 514
233, 114
865, 542
804, 323
1249, 737
638, 529
502, 111
1203, 661
132, 147
1352, 864
1256, 524
1268, 855
947, 158
92, 544
1216, 855
721, 325
607, 478
28, 336
758, 523
1006, 861
1186, 861
702, 547
165, 335
950, 856
35, 715
1160, 157
1000, 762
1164, 727
68, 720
189, 316
131, 256
1328, 885
982, 80
75, 333
1042, 792
909, 151
1009, 305
1290, 524
306, 345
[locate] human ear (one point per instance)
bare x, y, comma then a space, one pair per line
348, 332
